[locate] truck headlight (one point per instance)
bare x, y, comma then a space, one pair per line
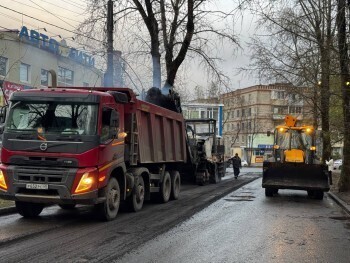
3, 184
86, 183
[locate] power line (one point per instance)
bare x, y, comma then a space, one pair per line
41, 10
70, 3
52, 13
62, 8
79, 34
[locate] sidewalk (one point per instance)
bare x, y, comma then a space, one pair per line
343, 198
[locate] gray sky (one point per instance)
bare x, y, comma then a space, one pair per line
66, 14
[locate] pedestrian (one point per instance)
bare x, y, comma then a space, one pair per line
236, 164
330, 164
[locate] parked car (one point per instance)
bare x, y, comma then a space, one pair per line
244, 163
338, 164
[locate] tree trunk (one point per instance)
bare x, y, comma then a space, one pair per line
344, 182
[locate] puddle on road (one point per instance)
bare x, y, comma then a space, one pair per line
238, 198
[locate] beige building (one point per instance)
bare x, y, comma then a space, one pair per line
26, 56
250, 112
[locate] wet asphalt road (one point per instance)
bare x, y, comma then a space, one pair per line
245, 226
78, 236
229, 222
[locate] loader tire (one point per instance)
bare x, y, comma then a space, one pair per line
29, 210
318, 195
67, 206
269, 192
175, 185
315, 194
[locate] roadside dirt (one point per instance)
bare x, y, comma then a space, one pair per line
345, 196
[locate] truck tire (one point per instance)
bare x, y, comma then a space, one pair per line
108, 210
200, 178
135, 201
29, 210
269, 192
67, 206
175, 185
165, 188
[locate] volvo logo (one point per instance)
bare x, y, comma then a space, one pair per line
43, 146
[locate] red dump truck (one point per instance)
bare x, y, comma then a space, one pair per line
80, 146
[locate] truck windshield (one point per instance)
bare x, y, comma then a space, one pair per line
53, 117
293, 139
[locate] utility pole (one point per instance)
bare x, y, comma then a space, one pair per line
110, 25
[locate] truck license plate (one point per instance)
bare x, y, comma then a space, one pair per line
37, 186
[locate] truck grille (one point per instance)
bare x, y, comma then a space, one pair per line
40, 175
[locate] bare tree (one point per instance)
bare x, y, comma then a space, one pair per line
302, 54
175, 29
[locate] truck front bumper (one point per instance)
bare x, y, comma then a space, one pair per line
58, 181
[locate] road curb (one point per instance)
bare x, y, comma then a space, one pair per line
340, 202
7, 210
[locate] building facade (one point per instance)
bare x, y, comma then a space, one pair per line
250, 112
26, 56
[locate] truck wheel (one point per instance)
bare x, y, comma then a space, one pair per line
165, 188
67, 206
108, 210
275, 191
269, 192
135, 201
29, 210
200, 178
175, 185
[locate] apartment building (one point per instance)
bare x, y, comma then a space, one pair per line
250, 112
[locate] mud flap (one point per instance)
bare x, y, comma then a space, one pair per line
297, 176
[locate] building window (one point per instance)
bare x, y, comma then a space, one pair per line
237, 113
242, 126
243, 112
280, 110
85, 84
65, 77
44, 77
249, 125
293, 109
24, 73
237, 126
3, 66
250, 112
243, 138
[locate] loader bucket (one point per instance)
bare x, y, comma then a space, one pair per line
299, 176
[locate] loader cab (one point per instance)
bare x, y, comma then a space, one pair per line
293, 144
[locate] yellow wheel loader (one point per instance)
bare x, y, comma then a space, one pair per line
294, 164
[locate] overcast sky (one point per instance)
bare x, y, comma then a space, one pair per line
61, 18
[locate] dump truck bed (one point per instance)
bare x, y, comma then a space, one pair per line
298, 176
